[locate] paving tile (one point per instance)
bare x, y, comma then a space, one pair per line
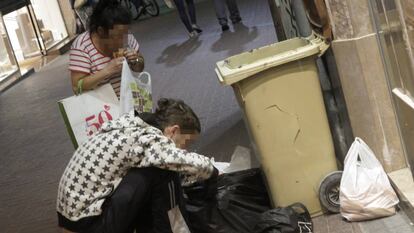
320, 224
397, 223
338, 225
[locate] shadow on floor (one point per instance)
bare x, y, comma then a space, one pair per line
175, 54
234, 41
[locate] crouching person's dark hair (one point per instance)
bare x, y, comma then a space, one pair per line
173, 112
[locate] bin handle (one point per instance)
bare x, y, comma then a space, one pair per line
319, 41
219, 76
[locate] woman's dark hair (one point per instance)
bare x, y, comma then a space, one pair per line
173, 112
107, 13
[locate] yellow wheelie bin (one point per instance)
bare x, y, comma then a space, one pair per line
278, 88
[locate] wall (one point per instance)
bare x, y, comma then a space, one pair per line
364, 81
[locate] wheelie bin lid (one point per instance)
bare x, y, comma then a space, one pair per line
241, 66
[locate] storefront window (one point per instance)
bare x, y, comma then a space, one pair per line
29, 29
394, 23
49, 21
8, 64
22, 34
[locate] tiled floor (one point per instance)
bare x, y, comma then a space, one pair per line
398, 223
33, 140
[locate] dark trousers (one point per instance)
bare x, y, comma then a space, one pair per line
141, 201
183, 13
219, 6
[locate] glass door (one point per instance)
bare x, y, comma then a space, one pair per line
50, 22
8, 63
23, 35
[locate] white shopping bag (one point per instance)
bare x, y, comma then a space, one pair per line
84, 114
177, 222
136, 92
365, 191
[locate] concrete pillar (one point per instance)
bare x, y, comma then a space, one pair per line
364, 81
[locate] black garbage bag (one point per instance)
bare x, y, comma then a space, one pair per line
292, 219
233, 203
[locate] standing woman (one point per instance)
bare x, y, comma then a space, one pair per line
96, 55
191, 24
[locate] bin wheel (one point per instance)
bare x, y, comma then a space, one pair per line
329, 192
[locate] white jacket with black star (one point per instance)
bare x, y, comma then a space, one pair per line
98, 165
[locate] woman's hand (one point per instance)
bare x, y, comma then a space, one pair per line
135, 60
131, 55
114, 67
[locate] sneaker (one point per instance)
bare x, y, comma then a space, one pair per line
236, 20
193, 34
196, 28
225, 27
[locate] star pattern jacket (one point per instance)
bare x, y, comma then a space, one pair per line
98, 165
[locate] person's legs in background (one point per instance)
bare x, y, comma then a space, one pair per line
183, 14
219, 7
234, 11
192, 13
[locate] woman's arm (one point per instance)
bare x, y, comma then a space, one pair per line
161, 152
91, 81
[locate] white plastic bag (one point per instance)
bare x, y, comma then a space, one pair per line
240, 160
136, 92
365, 191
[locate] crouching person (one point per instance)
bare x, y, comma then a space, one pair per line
128, 176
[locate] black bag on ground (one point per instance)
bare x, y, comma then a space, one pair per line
292, 219
233, 203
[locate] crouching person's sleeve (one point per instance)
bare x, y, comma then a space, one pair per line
161, 152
